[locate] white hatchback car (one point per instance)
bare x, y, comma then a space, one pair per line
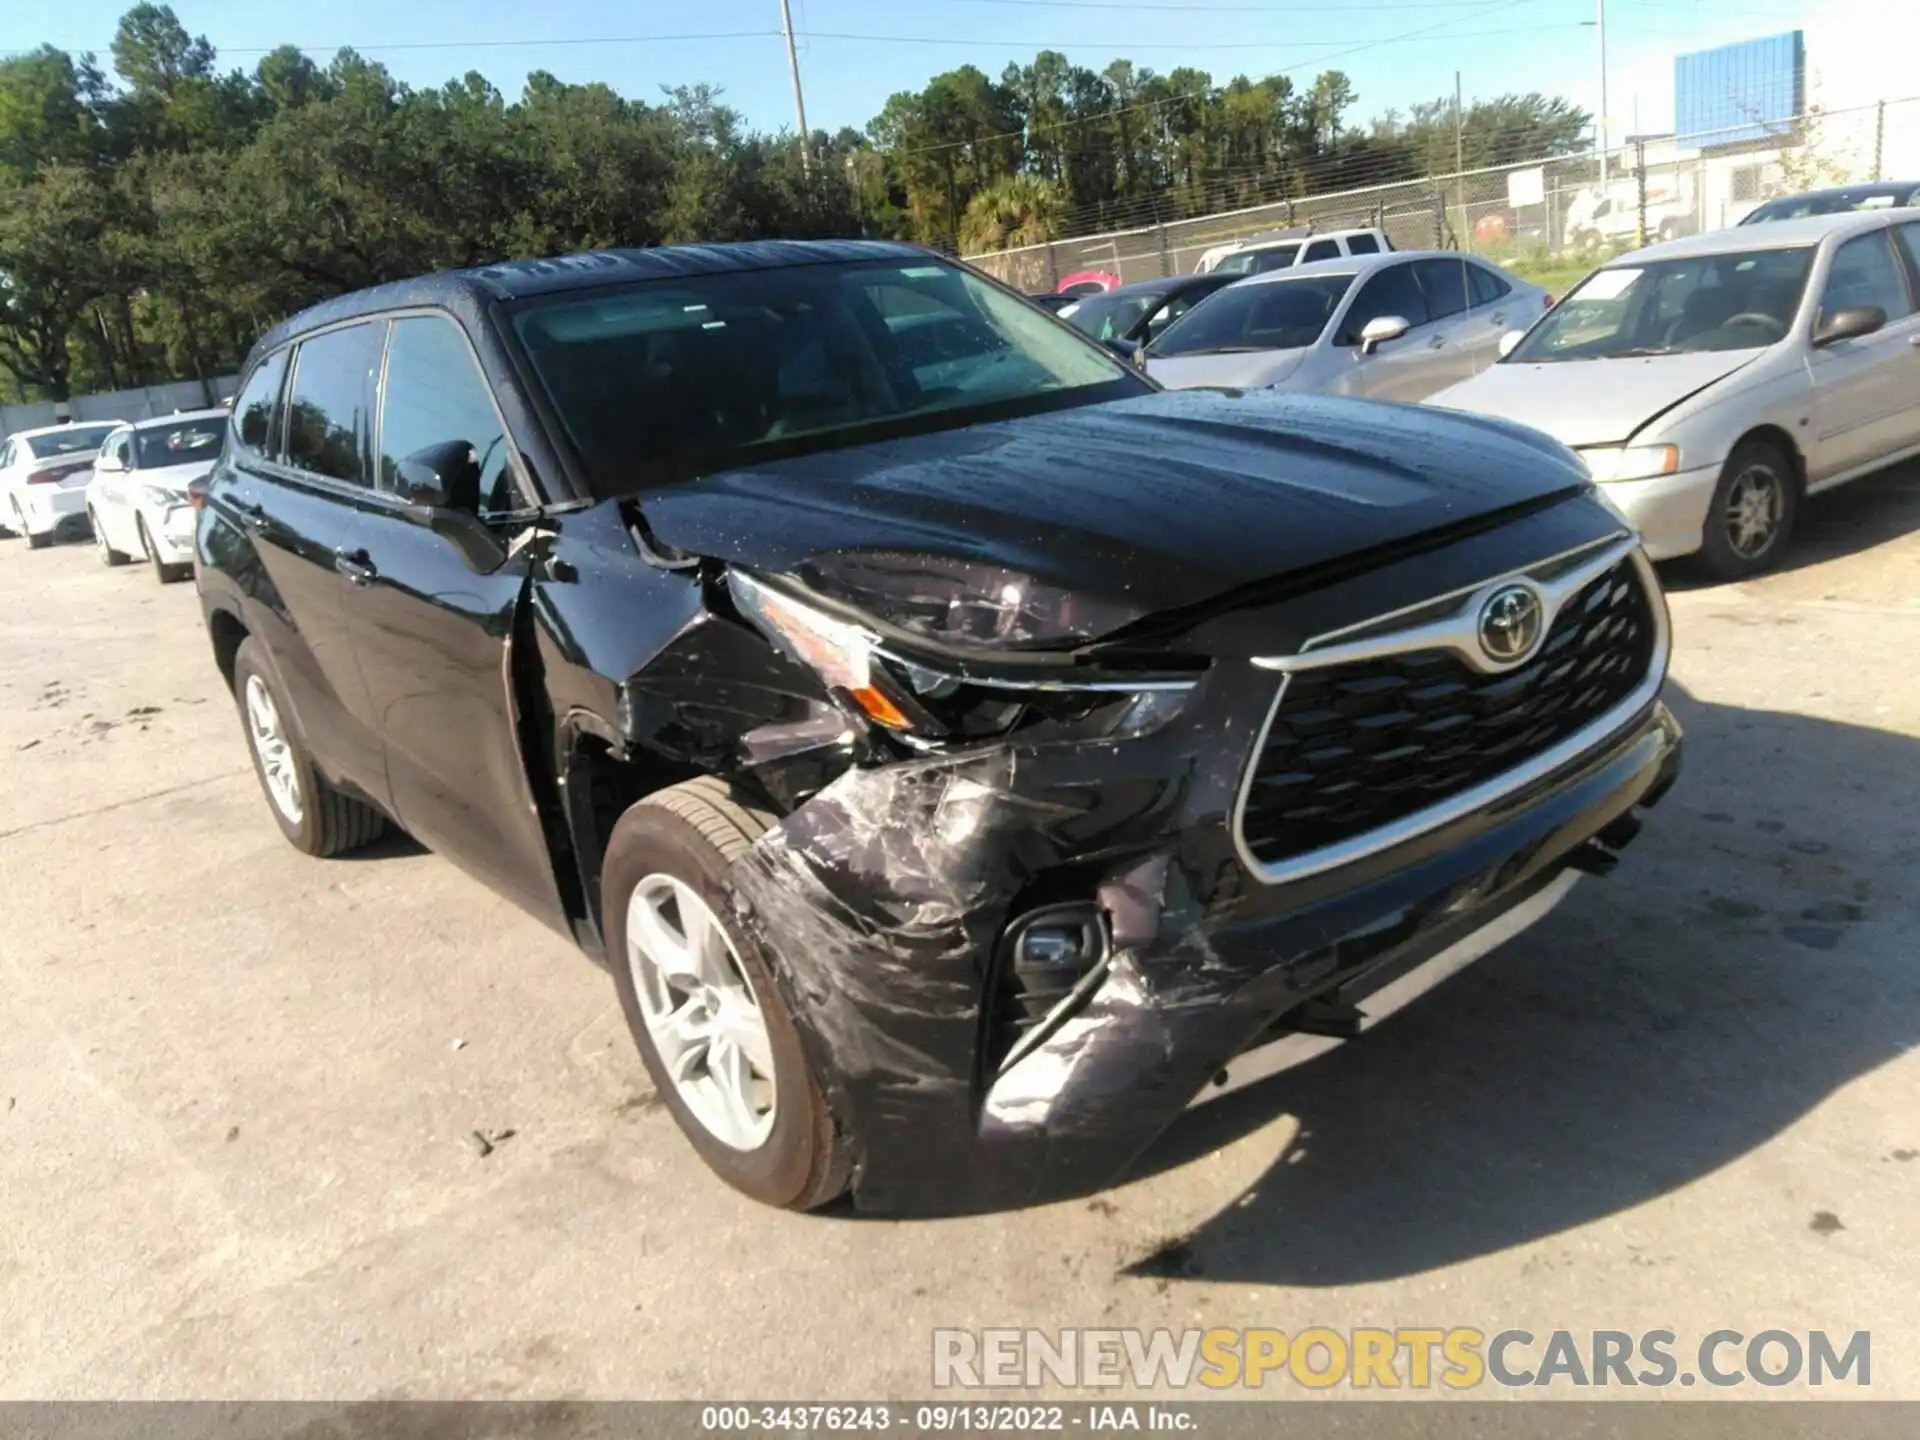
43, 480
1397, 326
138, 502
1712, 382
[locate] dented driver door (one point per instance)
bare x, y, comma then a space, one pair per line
435, 636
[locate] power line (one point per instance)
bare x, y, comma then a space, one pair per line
1471, 7
1187, 46
375, 48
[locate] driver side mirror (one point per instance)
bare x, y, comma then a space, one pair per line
109, 464
1380, 330
441, 477
1128, 350
1848, 324
1510, 342
441, 486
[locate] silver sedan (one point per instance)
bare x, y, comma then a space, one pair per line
1397, 326
1712, 382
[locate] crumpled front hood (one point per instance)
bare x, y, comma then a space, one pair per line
1591, 402
1133, 507
1248, 370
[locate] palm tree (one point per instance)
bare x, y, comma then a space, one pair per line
1014, 210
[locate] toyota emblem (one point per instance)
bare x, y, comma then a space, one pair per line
1510, 624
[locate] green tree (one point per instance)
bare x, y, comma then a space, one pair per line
1014, 210
52, 266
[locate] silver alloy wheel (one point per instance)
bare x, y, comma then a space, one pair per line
1756, 503
701, 1011
270, 744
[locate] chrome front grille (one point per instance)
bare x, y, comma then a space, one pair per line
1376, 739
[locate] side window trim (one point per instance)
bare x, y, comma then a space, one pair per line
523, 490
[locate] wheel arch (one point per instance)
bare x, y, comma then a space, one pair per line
599, 780
1774, 435
228, 633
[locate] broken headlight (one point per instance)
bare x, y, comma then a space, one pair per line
964, 602
923, 699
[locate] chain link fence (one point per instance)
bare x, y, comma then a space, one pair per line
1654, 187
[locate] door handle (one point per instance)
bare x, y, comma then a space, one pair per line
356, 565
252, 515
1436, 342
1498, 320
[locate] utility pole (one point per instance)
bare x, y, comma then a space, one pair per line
1459, 163
799, 101
1600, 22
1640, 172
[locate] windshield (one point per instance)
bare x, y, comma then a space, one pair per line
669, 378
1265, 315
1108, 317
179, 444
1258, 262
1742, 301
73, 440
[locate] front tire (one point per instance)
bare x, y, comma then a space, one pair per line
1751, 516
703, 1003
316, 818
108, 555
164, 573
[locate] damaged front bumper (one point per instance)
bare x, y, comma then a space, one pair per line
888, 897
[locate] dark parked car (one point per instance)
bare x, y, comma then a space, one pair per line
1134, 314
1836, 201
963, 753
1053, 302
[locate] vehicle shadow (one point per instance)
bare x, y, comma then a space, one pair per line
1741, 966
1857, 517
395, 844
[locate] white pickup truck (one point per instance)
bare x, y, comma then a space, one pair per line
1279, 249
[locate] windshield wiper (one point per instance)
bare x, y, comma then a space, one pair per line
1639, 351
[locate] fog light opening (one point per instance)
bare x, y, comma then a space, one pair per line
1051, 961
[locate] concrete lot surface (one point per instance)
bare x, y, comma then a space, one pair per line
239, 1088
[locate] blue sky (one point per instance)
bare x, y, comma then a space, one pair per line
1395, 51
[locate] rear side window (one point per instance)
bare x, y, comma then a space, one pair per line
256, 411
1392, 291
1362, 245
1321, 250
434, 395
1487, 287
329, 407
1445, 282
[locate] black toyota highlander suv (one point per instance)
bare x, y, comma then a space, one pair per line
963, 754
